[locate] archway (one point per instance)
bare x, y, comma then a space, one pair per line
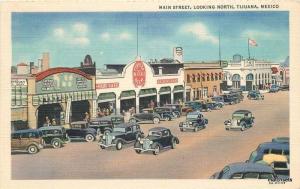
249, 82
78, 110
52, 111
236, 81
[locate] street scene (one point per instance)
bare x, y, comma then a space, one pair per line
133, 96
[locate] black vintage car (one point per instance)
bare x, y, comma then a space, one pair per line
121, 134
55, 136
159, 138
105, 124
238, 93
81, 130
230, 99
177, 108
145, 117
194, 121
165, 113
255, 95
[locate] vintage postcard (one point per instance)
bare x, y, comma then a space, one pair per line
144, 94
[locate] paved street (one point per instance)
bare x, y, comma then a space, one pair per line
198, 155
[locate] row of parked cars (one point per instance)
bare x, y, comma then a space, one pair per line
269, 161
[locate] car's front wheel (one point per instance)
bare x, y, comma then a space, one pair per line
89, 138
243, 126
119, 145
156, 120
156, 150
195, 129
32, 149
173, 143
56, 143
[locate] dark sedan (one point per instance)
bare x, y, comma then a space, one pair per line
145, 118
80, 130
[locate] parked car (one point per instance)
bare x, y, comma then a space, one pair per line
218, 99
177, 108
230, 99
81, 130
245, 171
55, 136
158, 138
206, 107
279, 148
194, 121
274, 88
28, 140
165, 113
238, 93
241, 119
121, 134
174, 112
255, 95
145, 117
284, 87
214, 105
105, 124
186, 109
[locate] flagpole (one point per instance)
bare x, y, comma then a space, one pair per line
248, 50
220, 47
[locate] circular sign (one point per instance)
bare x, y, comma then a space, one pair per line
139, 74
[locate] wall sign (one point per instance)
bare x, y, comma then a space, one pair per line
18, 82
63, 82
163, 81
139, 74
107, 85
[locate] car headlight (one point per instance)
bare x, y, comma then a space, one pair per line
113, 137
141, 142
151, 142
190, 123
103, 136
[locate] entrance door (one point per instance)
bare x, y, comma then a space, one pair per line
78, 110
52, 111
165, 99
248, 85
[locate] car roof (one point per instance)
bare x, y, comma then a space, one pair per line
79, 122
274, 145
51, 127
248, 167
281, 139
25, 131
194, 113
126, 125
242, 111
158, 129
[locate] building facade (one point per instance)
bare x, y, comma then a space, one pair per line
280, 74
202, 79
247, 74
136, 85
61, 94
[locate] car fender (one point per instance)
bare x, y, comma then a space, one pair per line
176, 140
33, 143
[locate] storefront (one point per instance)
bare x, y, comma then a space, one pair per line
136, 86
59, 96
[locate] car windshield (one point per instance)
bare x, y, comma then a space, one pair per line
119, 129
155, 133
192, 116
237, 116
252, 156
273, 86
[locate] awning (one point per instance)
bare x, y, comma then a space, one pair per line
165, 90
106, 97
127, 95
147, 92
178, 88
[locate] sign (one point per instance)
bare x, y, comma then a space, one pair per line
107, 85
19, 82
139, 74
63, 82
163, 81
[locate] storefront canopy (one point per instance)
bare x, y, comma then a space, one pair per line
106, 97
147, 92
165, 90
178, 88
127, 95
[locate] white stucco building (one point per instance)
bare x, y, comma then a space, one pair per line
247, 74
136, 85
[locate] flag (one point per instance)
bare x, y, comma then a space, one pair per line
252, 42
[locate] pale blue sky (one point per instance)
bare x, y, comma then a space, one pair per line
110, 38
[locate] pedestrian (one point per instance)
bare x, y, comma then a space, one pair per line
53, 122
87, 117
47, 121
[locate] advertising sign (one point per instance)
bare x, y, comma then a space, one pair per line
139, 74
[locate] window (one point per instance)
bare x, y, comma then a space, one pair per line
76, 126
216, 77
220, 76
212, 77
276, 151
188, 78
165, 133
25, 135
194, 78
286, 152
251, 175
266, 176
203, 78
128, 129
266, 151
207, 78
198, 78
15, 136
237, 176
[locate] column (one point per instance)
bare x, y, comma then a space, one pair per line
68, 110
192, 94
32, 114
118, 104
158, 99
94, 108
137, 102
172, 96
